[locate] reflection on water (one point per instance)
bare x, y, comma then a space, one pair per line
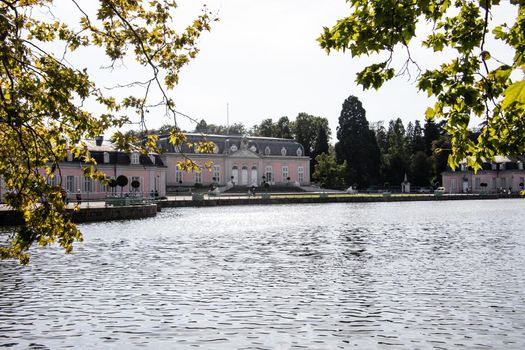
365, 276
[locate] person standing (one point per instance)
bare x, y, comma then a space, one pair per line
79, 197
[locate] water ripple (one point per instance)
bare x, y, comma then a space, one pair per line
428, 275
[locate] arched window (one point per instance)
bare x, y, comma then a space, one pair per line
254, 175
244, 175
106, 157
269, 174
299, 152
235, 175
283, 151
267, 151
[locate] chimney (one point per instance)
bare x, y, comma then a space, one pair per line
99, 140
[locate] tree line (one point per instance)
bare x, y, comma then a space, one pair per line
379, 155
311, 131
364, 155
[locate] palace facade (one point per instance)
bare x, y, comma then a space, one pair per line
148, 170
503, 174
238, 160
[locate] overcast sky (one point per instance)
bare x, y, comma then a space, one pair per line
262, 58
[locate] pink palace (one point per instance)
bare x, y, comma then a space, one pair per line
148, 170
503, 174
239, 160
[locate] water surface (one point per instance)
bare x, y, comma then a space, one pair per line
419, 275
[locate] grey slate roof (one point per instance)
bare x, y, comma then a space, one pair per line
118, 157
511, 162
225, 142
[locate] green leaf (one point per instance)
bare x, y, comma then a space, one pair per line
429, 113
514, 93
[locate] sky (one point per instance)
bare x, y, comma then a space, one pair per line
262, 60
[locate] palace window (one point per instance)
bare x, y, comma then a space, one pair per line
254, 175
269, 173
70, 184
217, 172
267, 151
135, 159
106, 157
235, 175
300, 174
135, 189
284, 172
88, 185
178, 176
477, 182
198, 177
52, 181
105, 188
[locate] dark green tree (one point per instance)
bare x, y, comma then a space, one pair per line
236, 129
397, 156
441, 149
283, 128
431, 133
321, 141
416, 138
202, 127
328, 173
266, 128
380, 132
165, 129
420, 169
321, 146
306, 129
357, 144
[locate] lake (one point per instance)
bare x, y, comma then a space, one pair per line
415, 275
